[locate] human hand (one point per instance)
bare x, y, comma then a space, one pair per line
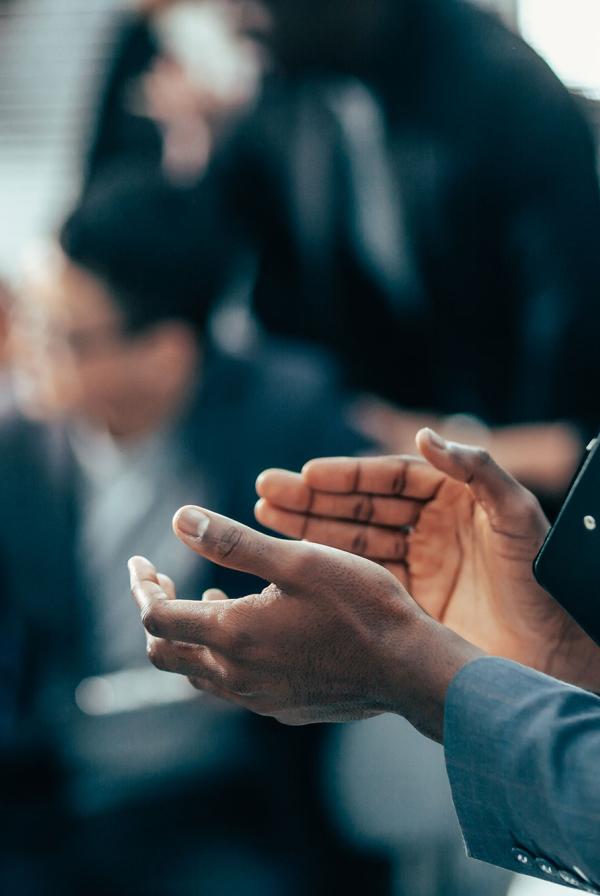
391, 428
185, 116
543, 456
456, 530
334, 638
209, 73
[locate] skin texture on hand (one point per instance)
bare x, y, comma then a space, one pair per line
456, 530
333, 638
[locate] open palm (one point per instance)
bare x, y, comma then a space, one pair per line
458, 531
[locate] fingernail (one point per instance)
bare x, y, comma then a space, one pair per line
134, 563
436, 440
192, 521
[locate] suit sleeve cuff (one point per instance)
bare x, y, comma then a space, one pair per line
519, 748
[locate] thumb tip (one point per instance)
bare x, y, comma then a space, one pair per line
191, 522
429, 438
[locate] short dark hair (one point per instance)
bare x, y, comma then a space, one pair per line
160, 249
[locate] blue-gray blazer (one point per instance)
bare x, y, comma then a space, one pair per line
523, 756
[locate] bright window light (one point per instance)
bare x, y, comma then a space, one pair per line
567, 34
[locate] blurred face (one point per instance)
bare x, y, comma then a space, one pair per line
72, 355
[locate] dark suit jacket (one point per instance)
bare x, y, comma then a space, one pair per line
496, 173
250, 413
522, 754
118, 132
496, 170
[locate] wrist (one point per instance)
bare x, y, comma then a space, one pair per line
427, 658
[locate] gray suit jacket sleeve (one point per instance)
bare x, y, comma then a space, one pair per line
523, 757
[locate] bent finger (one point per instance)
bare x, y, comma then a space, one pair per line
360, 508
506, 502
186, 659
373, 542
168, 585
176, 620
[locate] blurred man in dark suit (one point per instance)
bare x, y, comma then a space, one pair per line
436, 188
137, 407
412, 171
179, 74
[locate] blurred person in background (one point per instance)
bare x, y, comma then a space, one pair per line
132, 405
181, 74
407, 170
444, 194
411, 173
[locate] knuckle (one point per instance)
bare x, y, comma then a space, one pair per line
481, 458
399, 478
241, 626
218, 672
301, 558
399, 548
157, 654
363, 509
237, 684
153, 618
241, 643
359, 543
214, 673
229, 542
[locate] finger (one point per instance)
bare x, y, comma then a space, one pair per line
398, 476
168, 586
207, 687
146, 587
214, 594
186, 659
232, 545
382, 511
284, 488
176, 620
150, 589
504, 499
201, 664
286, 522
373, 542
212, 690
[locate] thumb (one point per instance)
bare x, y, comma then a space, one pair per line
230, 544
506, 502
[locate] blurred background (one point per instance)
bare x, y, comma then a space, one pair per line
239, 234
